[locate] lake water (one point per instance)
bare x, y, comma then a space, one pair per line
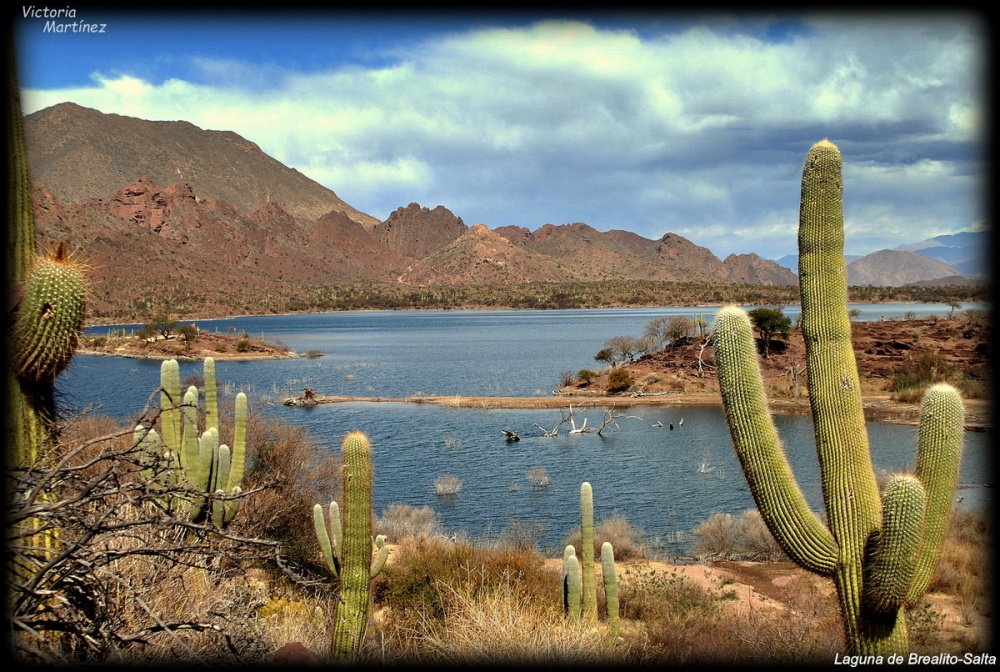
647, 474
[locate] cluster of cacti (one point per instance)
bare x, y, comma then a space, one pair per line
580, 593
880, 551
180, 454
347, 547
700, 324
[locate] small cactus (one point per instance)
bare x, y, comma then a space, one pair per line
610, 589
571, 585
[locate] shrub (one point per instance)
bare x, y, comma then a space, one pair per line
715, 538
539, 477
298, 473
585, 376
627, 540
402, 521
426, 571
755, 541
727, 537
620, 380
447, 486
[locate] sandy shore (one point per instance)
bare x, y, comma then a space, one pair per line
877, 408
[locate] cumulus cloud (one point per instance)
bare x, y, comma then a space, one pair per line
700, 130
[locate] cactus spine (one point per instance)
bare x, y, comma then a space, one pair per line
199, 460
347, 547
879, 551
589, 589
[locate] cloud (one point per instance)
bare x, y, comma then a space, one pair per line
700, 129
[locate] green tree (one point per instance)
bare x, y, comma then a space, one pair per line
769, 323
162, 324
605, 355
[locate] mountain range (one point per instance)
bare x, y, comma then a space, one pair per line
164, 211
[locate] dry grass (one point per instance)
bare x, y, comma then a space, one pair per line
493, 624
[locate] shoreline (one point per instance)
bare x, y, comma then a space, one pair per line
877, 408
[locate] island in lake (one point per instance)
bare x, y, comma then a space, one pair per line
184, 343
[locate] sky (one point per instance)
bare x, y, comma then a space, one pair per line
692, 123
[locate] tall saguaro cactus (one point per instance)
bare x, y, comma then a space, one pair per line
45, 300
880, 549
347, 547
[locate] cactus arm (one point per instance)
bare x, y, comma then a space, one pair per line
784, 508
940, 439
219, 505
211, 394
148, 443
170, 398
381, 556
336, 529
889, 572
588, 596
356, 557
199, 472
189, 436
610, 589
235, 478
319, 524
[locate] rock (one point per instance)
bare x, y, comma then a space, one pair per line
295, 653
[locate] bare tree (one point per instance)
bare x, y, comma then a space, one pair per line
90, 533
611, 418
624, 348
663, 330
566, 416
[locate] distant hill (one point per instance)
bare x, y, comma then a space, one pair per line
752, 269
893, 268
966, 252
206, 223
418, 232
964, 257
81, 153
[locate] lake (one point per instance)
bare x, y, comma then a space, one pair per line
647, 474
